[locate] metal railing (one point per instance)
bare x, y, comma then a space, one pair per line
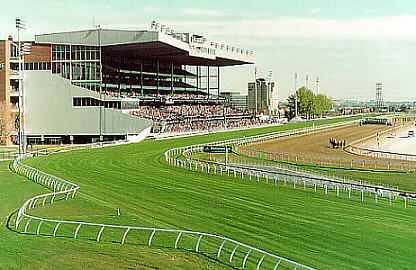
172, 156
68, 189
285, 175
322, 161
329, 161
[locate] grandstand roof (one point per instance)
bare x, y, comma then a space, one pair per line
152, 45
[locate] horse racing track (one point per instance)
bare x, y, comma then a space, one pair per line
316, 148
324, 231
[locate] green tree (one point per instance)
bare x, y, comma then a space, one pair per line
322, 104
309, 104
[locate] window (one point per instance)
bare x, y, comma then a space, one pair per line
77, 102
38, 66
94, 102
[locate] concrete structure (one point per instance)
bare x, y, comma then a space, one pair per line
263, 97
79, 86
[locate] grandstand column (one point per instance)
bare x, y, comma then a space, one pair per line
184, 79
208, 82
131, 82
70, 62
218, 80
141, 77
197, 78
157, 76
119, 77
171, 78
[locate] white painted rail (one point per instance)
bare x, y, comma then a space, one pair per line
68, 189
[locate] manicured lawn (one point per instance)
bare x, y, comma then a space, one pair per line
322, 231
19, 251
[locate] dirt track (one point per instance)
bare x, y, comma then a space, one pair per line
317, 144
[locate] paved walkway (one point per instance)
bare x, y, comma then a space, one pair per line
398, 143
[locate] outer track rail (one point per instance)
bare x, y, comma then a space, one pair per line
68, 189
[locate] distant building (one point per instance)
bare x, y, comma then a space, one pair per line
235, 100
263, 97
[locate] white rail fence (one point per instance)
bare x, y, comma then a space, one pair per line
67, 190
173, 157
331, 162
287, 176
242, 147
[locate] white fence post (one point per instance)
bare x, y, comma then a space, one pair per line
177, 240
99, 233
232, 253
76, 231
151, 237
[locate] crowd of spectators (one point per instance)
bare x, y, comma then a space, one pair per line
186, 118
209, 125
184, 112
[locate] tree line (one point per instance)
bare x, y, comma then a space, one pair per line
309, 104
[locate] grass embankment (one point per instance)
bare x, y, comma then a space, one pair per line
319, 230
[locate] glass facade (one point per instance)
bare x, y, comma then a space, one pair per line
79, 64
129, 76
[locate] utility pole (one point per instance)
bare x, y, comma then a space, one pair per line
296, 95
307, 79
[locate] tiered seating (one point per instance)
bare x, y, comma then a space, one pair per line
184, 118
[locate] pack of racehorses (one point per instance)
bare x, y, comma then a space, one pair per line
337, 144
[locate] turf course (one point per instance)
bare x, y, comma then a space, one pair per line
318, 230
20, 251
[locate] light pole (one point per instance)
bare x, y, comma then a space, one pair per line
296, 95
268, 93
255, 90
317, 85
101, 102
20, 25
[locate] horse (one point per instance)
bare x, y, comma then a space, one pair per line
333, 142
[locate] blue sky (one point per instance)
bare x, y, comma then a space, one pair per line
350, 45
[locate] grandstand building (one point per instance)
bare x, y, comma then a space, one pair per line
83, 86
